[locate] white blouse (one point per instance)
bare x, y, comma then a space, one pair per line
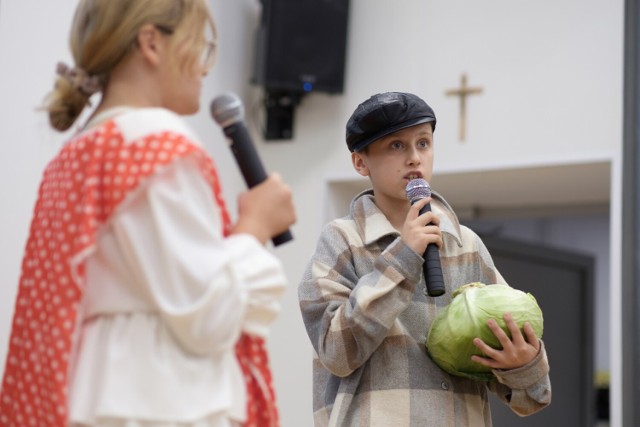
166, 299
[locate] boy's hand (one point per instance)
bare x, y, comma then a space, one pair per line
516, 352
420, 230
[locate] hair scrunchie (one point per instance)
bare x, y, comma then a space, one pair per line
79, 79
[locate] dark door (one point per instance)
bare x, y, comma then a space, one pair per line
562, 283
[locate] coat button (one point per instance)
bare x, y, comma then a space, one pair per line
445, 385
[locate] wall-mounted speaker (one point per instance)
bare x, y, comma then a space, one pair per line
301, 45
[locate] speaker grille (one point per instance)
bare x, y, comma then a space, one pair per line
302, 45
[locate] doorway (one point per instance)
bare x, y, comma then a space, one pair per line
563, 284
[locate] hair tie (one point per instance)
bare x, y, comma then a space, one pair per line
79, 79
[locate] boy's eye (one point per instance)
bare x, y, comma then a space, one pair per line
397, 145
423, 143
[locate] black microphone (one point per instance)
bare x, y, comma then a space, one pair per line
418, 189
228, 112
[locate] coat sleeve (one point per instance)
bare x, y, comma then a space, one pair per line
347, 316
527, 389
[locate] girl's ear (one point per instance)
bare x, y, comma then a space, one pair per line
360, 163
150, 43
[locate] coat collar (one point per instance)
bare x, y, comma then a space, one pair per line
373, 225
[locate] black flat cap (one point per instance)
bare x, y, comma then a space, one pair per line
383, 114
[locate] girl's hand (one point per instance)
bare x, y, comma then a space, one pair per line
265, 210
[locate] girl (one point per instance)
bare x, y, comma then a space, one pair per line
140, 303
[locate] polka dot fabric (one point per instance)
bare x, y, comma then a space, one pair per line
261, 408
80, 190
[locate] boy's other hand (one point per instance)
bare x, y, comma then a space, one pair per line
516, 352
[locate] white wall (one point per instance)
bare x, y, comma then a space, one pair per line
551, 72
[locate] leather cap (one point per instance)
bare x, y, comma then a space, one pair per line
384, 114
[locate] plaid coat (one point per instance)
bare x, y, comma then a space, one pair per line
364, 306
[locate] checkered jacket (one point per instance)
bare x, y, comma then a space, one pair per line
364, 306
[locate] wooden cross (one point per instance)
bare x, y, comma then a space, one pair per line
463, 92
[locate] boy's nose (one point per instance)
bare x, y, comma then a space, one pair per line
413, 156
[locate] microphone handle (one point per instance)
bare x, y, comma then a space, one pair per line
431, 267
250, 165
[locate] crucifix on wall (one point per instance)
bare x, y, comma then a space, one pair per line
463, 91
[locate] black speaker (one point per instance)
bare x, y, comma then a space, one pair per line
301, 45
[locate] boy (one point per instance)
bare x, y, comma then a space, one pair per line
363, 296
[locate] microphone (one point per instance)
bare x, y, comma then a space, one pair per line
418, 189
228, 112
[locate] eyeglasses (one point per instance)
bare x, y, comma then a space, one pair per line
208, 55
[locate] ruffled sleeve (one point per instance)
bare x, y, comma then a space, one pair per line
206, 287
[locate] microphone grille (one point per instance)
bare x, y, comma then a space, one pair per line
227, 109
417, 189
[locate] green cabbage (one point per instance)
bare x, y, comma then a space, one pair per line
449, 342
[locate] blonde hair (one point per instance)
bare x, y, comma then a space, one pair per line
105, 31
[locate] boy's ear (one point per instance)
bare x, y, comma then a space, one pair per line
359, 163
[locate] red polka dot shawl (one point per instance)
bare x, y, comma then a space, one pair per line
81, 188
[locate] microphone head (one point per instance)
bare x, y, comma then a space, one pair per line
417, 189
227, 109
